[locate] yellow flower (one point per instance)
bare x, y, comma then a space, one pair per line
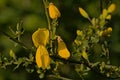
40, 37
42, 57
63, 52
83, 13
108, 17
53, 11
111, 8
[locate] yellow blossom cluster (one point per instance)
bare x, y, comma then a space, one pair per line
40, 38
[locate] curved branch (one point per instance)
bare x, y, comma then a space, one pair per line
89, 65
15, 40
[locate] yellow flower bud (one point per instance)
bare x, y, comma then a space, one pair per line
94, 21
42, 57
40, 37
12, 54
53, 11
78, 42
85, 55
100, 33
83, 13
104, 13
80, 33
109, 30
111, 8
63, 52
108, 17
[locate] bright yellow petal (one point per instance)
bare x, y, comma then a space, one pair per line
53, 11
38, 57
63, 52
40, 37
42, 57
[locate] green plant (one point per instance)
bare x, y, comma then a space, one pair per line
50, 57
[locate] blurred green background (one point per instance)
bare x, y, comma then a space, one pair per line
31, 13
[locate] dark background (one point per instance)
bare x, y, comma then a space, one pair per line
31, 13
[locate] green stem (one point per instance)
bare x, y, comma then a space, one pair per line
59, 77
49, 25
89, 65
47, 16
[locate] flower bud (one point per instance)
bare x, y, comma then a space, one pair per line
108, 17
85, 55
111, 8
106, 32
12, 54
83, 13
104, 13
53, 11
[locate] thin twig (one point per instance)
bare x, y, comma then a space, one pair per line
15, 40
46, 12
49, 24
89, 65
59, 77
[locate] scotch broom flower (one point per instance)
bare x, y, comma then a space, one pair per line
42, 57
111, 8
63, 52
40, 37
83, 13
53, 11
